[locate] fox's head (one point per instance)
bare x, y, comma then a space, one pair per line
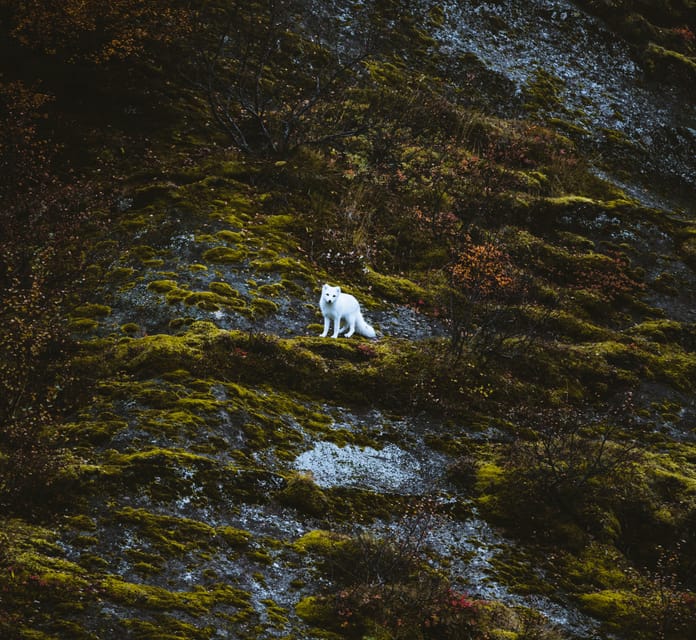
330, 294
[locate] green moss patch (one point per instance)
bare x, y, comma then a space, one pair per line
162, 286
319, 541
620, 609
90, 310
224, 255
395, 288
174, 536
196, 602
302, 493
83, 325
224, 290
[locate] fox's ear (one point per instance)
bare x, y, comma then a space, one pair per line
325, 287
338, 290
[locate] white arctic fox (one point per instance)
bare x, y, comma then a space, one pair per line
339, 306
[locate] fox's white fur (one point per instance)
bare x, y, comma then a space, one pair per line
339, 306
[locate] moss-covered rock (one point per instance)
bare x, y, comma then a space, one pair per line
618, 609
316, 611
396, 288
302, 493
91, 310
224, 255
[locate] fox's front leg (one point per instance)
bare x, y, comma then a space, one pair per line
326, 327
337, 327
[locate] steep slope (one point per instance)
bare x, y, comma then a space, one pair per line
632, 115
513, 457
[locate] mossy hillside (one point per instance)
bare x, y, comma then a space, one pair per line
673, 366
542, 92
39, 582
197, 457
169, 475
572, 211
306, 366
351, 561
144, 544
178, 405
586, 565
315, 368
195, 425
215, 300
181, 471
85, 317
662, 502
174, 536
658, 31
224, 254
44, 584
193, 602
302, 493
302, 364
240, 357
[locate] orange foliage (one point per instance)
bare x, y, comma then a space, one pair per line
23, 152
96, 29
484, 269
43, 208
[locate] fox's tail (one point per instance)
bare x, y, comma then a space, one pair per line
364, 329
